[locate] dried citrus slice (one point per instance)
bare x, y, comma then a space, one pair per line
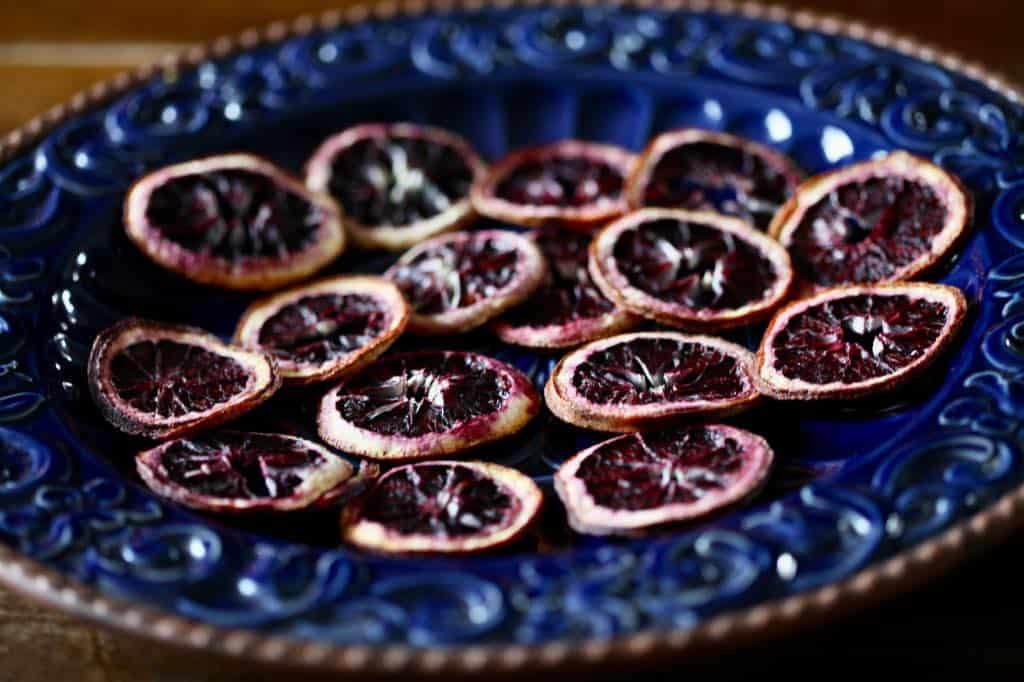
426, 404
328, 329
637, 381
235, 221
457, 282
694, 271
399, 183
852, 341
644, 480
443, 508
160, 380
569, 309
884, 220
239, 472
570, 184
704, 170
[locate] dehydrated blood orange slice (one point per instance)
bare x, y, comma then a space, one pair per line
851, 341
883, 220
644, 480
695, 271
239, 472
426, 404
569, 309
443, 508
161, 381
457, 282
702, 170
635, 381
570, 184
328, 329
235, 221
398, 183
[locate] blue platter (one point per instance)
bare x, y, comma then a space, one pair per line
856, 488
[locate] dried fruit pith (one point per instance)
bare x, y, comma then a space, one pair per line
883, 220
569, 309
569, 184
694, 271
160, 380
701, 170
239, 472
235, 221
426, 404
398, 183
642, 480
328, 329
636, 381
852, 341
457, 282
443, 508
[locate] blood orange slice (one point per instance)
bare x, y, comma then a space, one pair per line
570, 184
857, 340
703, 170
237, 472
694, 271
457, 282
398, 183
638, 381
443, 508
161, 381
884, 220
235, 221
426, 404
643, 480
328, 329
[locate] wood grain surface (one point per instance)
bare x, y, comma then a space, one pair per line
50, 49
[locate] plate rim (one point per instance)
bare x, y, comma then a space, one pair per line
924, 561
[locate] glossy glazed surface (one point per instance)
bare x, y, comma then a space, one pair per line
883, 479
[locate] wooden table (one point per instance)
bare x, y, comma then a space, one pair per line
50, 49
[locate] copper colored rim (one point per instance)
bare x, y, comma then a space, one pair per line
249, 648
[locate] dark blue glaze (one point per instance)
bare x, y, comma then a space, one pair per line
854, 485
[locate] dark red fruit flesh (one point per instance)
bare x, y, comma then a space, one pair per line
456, 274
661, 468
171, 379
867, 231
319, 328
693, 265
570, 294
439, 500
239, 465
858, 338
398, 180
651, 371
233, 214
425, 393
562, 182
717, 177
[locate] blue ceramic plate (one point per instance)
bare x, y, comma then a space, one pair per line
863, 500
